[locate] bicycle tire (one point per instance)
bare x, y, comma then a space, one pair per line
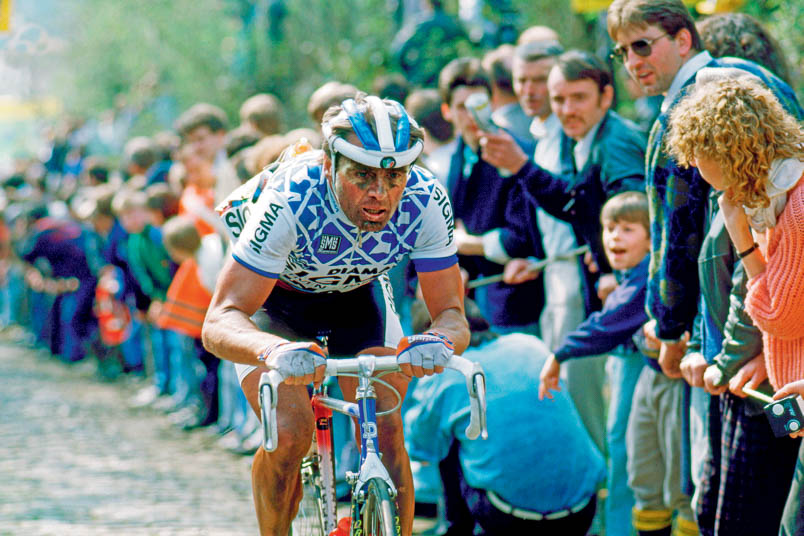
379, 515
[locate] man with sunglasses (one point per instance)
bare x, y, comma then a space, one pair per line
660, 47
311, 260
662, 51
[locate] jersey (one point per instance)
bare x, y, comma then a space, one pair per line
288, 225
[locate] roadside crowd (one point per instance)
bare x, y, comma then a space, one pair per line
628, 277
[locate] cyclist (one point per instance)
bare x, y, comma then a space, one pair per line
313, 255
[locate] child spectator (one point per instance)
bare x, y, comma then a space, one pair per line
153, 271
200, 260
203, 135
262, 112
162, 203
626, 240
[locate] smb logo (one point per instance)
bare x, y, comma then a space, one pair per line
329, 244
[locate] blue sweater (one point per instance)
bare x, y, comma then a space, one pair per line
678, 198
622, 315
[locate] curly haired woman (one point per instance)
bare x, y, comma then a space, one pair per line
745, 145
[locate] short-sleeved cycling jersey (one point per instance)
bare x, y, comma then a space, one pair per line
288, 225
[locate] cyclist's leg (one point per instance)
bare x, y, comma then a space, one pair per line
391, 440
275, 478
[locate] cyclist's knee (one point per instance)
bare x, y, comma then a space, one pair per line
390, 431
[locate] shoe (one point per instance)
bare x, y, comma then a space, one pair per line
166, 404
145, 397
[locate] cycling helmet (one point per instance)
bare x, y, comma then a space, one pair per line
388, 149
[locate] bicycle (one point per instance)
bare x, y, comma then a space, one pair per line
373, 510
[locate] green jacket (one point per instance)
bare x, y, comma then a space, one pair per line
722, 303
149, 262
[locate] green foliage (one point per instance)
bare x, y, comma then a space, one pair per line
784, 19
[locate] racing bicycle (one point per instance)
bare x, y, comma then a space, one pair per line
373, 510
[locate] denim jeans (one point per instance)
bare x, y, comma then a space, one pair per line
184, 378
623, 372
160, 353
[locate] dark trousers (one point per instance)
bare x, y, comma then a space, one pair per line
467, 506
747, 476
793, 517
209, 383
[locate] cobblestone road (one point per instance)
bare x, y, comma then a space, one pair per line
74, 460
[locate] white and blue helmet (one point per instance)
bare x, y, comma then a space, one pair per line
388, 148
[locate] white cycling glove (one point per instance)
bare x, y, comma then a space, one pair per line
427, 350
293, 358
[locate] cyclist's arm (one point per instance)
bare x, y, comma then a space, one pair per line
443, 294
228, 330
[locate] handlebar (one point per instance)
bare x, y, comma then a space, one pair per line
368, 364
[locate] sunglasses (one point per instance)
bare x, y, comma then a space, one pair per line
641, 47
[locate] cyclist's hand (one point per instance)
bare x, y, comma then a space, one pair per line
423, 354
299, 362
548, 379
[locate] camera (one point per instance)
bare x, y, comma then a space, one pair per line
786, 415
480, 108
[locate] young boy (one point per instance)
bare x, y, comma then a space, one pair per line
200, 260
153, 271
651, 433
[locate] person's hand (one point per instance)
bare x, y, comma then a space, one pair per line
589, 261
792, 388
693, 366
501, 151
300, 363
548, 379
467, 244
651, 340
518, 271
605, 286
670, 355
154, 310
424, 354
750, 375
713, 381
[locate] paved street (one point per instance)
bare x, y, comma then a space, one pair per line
76, 461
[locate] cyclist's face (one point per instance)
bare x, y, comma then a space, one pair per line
368, 196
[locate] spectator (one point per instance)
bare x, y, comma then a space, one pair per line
742, 36
263, 113
200, 260
661, 48
479, 195
153, 272
626, 238
330, 94
556, 476
535, 34
392, 86
507, 113
203, 132
745, 469
424, 105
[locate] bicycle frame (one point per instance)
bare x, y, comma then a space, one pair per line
364, 409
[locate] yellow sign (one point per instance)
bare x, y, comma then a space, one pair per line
15, 109
594, 6
5, 15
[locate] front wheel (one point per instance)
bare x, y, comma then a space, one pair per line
378, 516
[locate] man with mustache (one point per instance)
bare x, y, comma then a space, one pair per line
588, 155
